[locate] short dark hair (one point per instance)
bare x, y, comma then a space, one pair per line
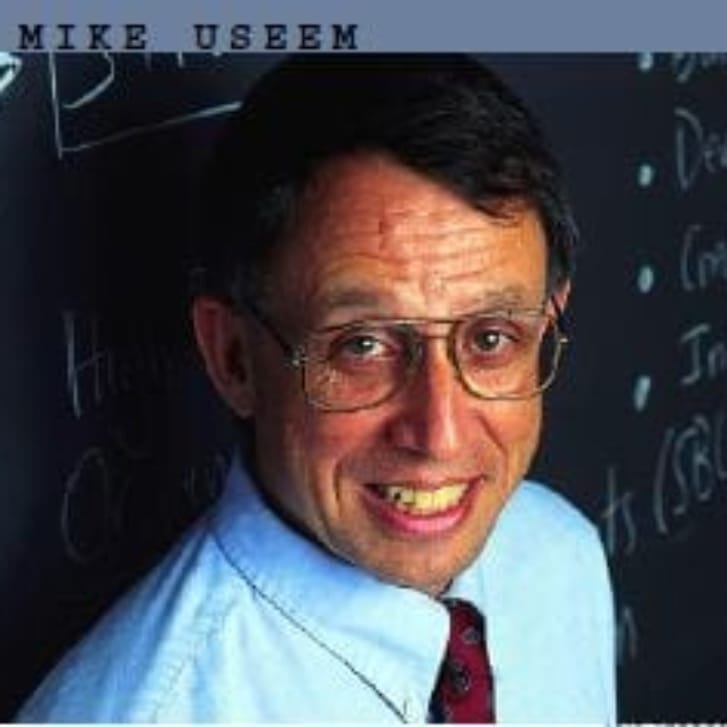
444, 116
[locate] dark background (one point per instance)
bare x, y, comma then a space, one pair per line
111, 440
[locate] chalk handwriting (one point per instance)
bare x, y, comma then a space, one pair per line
703, 261
10, 66
202, 482
97, 510
78, 365
97, 371
107, 77
627, 635
104, 80
91, 508
196, 489
687, 66
618, 517
707, 354
691, 464
148, 128
696, 148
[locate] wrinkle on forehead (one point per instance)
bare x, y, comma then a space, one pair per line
442, 255
372, 234
418, 205
417, 239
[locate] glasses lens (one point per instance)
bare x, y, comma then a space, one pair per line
497, 356
507, 356
356, 367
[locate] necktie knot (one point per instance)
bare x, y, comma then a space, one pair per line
464, 690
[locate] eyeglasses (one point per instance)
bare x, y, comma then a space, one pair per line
509, 354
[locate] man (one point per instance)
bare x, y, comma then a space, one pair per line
389, 254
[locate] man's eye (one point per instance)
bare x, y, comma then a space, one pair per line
362, 347
494, 342
490, 340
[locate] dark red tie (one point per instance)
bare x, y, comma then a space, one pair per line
464, 691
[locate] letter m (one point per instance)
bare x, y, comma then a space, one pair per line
344, 37
31, 38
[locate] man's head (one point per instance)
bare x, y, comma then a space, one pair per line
350, 194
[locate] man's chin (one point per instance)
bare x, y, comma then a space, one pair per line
430, 575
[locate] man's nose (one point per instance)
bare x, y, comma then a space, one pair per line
432, 413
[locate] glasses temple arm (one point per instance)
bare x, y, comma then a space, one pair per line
559, 318
253, 309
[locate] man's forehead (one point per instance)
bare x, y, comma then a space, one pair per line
375, 198
370, 233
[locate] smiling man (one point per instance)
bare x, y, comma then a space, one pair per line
388, 261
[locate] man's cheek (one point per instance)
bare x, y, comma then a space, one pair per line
527, 432
335, 434
518, 431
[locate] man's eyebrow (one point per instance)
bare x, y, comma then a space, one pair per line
511, 296
343, 298
505, 298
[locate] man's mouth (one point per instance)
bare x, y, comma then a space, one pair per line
423, 502
422, 509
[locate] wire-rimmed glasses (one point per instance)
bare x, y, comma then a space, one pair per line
496, 354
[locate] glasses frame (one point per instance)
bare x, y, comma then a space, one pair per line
296, 357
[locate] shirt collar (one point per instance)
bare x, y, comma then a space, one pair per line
393, 637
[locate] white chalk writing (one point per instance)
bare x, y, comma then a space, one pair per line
91, 509
97, 507
627, 635
696, 148
202, 482
707, 354
101, 83
618, 517
97, 371
10, 66
703, 260
687, 66
107, 78
691, 463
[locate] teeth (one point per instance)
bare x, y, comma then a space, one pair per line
423, 502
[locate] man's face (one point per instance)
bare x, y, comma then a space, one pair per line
373, 239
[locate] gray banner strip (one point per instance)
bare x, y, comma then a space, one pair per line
373, 25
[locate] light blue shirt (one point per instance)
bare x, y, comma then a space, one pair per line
245, 620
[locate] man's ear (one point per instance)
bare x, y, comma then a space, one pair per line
223, 342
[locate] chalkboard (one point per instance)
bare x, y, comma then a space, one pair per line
112, 441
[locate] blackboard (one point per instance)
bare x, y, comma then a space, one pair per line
112, 441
